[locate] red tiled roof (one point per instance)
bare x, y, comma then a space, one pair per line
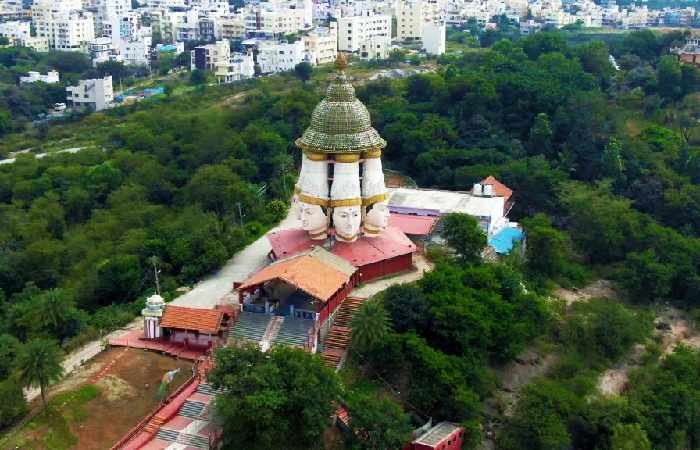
499, 188
312, 275
390, 243
413, 225
194, 319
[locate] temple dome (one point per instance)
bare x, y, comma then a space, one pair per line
340, 123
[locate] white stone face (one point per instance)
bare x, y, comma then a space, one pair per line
313, 219
346, 220
378, 217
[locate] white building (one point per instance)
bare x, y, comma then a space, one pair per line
16, 32
109, 16
211, 57
321, 45
409, 20
232, 27
241, 66
96, 94
279, 56
102, 49
38, 44
63, 24
51, 77
434, 38
137, 52
367, 28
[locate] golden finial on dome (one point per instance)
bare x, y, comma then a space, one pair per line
341, 62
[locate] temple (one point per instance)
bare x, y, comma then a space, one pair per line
344, 239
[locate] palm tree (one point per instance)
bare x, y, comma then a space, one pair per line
39, 363
55, 307
370, 326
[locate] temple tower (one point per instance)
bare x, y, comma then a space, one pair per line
341, 184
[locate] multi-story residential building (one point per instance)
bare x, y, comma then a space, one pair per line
137, 52
63, 23
211, 56
96, 93
409, 20
434, 35
355, 30
241, 66
279, 56
109, 15
275, 19
103, 49
375, 48
16, 32
321, 45
232, 27
51, 77
36, 43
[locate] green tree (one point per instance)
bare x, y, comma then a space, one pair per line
548, 249
463, 234
379, 421
303, 71
629, 437
541, 135
39, 363
198, 77
613, 164
370, 326
283, 396
12, 402
669, 77
407, 307
605, 330
645, 276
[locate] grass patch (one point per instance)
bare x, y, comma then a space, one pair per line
52, 427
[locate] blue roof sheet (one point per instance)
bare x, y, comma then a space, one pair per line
504, 240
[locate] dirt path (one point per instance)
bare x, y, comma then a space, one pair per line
596, 289
672, 329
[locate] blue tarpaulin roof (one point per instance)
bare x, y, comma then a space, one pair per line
504, 240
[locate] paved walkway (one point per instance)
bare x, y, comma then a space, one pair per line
207, 293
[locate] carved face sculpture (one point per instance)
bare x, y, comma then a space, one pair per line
378, 217
313, 219
346, 220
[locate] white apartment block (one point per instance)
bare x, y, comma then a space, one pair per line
211, 57
232, 27
137, 52
38, 44
51, 77
241, 66
321, 45
369, 27
434, 37
96, 94
109, 15
268, 20
103, 49
63, 24
375, 48
409, 20
15, 31
279, 56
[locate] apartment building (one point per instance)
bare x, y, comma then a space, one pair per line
353, 31
279, 56
96, 93
321, 45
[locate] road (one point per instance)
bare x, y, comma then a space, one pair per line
207, 293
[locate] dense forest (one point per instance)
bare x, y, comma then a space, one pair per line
605, 166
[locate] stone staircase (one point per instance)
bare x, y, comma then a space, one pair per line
191, 409
250, 327
189, 440
338, 338
293, 332
208, 389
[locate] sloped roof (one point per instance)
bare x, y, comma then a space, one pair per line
194, 319
316, 272
412, 224
499, 188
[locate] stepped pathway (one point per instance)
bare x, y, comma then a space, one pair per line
338, 338
294, 332
272, 329
250, 327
